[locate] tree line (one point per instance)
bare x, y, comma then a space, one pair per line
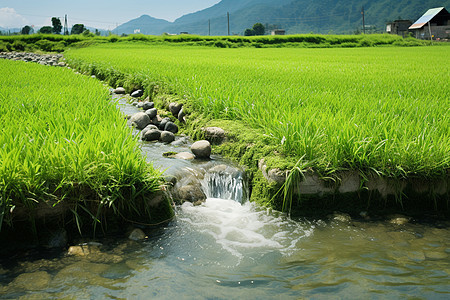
57, 27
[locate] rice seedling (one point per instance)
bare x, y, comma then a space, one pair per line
371, 109
63, 142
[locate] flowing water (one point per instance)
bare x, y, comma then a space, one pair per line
228, 248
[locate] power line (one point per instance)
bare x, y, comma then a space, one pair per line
76, 19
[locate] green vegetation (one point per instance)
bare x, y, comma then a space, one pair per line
383, 110
64, 145
58, 43
257, 29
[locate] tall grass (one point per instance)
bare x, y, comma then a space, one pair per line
372, 109
64, 142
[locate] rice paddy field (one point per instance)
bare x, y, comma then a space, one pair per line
376, 109
64, 142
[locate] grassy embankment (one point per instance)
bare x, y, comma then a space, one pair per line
58, 43
66, 148
374, 110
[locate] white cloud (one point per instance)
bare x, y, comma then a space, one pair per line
9, 18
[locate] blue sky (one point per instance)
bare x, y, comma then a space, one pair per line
99, 14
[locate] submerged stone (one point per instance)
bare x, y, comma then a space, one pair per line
83, 250
32, 281
137, 235
399, 220
184, 155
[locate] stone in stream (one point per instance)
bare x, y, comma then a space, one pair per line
32, 281
184, 155
147, 128
156, 120
167, 137
137, 93
148, 105
140, 104
137, 235
152, 112
340, 217
399, 220
140, 120
83, 250
151, 135
163, 123
181, 141
175, 108
190, 193
119, 90
201, 149
172, 127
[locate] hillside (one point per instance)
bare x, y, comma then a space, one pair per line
296, 16
146, 25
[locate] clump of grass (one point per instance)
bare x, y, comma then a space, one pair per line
63, 142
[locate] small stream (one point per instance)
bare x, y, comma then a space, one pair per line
229, 248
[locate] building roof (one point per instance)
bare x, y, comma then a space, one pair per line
423, 20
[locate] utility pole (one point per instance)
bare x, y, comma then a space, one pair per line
209, 27
364, 23
429, 29
228, 17
66, 28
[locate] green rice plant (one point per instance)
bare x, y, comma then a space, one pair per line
63, 141
376, 109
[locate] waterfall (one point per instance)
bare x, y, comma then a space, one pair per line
225, 182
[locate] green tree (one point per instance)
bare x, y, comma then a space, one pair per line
77, 29
26, 30
249, 32
87, 33
57, 27
46, 30
258, 29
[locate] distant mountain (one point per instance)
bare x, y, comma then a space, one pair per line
5, 30
220, 9
144, 24
296, 16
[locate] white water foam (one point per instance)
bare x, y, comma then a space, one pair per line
243, 228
